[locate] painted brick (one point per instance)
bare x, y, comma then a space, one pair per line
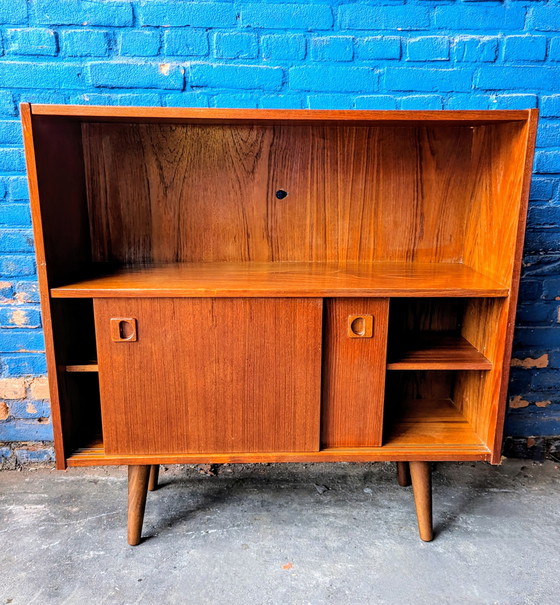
372, 48
191, 14
82, 12
84, 43
554, 49
536, 313
5, 453
26, 430
27, 455
230, 45
283, 47
236, 76
41, 96
421, 102
136, 75
476, 49
20, 316
550, 106
330, 101
139, 43
429, 48
12, 388
333, 79
363, 17
332, 48
544, 18
530, 290
538, 241
16, 240
27, 292
30, 409
425, 79
12, 265
41, 42
186, 42
471, 18
13, 11
10, 132
547, 162
186, 99
6, 291
286, 16
524, 48
244, 100
518, 78
376, 102
24, 364
11, 160
543, 189
548, 134
22, 74
7, 105
281, 102
547, 337
39, 388
515, 101
551, 289
17, 188
139, 99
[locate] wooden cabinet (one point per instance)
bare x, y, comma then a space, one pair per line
272, 286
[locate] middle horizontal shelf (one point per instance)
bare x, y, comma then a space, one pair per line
284, 279
436, 351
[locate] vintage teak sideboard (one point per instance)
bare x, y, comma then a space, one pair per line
273, 286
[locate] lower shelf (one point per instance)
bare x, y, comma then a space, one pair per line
426, 430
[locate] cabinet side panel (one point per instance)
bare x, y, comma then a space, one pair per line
210, 375
353, 375
60, 226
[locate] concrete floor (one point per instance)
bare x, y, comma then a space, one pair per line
283, 534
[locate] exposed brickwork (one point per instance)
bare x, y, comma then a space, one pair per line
379, 54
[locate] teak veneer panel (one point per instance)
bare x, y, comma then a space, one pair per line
353, 374
207, 192
211, 375
437, 351
286, 279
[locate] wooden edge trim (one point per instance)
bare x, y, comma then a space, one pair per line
28, 144
495, 443
277, 114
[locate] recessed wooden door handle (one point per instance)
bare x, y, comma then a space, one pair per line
123, 329
360, 326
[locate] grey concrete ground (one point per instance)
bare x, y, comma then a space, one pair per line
340, 533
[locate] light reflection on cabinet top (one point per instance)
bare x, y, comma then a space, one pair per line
298, 279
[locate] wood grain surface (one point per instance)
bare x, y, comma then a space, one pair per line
353, 375
286, 279
211, 375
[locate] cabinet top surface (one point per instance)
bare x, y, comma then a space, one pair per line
273, 115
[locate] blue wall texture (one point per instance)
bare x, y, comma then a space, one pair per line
319, 54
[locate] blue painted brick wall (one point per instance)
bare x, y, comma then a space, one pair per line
376, 54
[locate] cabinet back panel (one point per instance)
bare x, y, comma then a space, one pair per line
195, 193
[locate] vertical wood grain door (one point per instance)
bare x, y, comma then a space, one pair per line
355, 361
209, 375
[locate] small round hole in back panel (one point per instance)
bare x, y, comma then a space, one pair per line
281, 194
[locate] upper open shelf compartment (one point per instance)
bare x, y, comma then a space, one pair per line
198, 202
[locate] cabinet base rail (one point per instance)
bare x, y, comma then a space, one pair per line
144, 477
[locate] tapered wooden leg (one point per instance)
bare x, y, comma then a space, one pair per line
154, 474
138, 476
421, 475
403, 474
